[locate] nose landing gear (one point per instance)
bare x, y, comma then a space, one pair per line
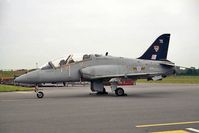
40, 94
38, 91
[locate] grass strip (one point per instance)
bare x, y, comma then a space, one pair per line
10, 88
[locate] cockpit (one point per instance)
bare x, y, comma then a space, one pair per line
72, 58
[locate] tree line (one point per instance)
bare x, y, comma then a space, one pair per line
192, 71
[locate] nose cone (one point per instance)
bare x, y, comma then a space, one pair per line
29, 78
21, 79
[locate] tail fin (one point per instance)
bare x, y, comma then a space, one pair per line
158, 50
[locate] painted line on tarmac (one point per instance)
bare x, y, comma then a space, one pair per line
23, 92
8, 100
193, 130
167, 124
13, 100
173, 131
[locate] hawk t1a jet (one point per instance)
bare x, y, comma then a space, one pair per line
99, 69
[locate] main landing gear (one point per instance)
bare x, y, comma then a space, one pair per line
38, 91
104, 92
98, 86
100, 93
118, 90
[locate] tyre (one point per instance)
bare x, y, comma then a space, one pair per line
40, 94
119, 92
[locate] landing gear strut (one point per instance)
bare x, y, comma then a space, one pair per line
39, 93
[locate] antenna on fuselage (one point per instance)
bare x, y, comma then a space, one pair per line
36, 65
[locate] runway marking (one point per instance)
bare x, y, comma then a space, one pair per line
8, 100
168, 124
174, 131
193, 130
23, 92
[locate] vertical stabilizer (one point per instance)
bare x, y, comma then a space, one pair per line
158, 50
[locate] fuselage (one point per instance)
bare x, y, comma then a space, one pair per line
105, 65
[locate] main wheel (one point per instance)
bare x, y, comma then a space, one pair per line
40, 94
119, 92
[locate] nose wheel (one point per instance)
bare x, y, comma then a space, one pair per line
39, 93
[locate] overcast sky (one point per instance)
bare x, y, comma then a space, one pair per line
41, 30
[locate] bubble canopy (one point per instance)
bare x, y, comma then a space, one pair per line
72, 58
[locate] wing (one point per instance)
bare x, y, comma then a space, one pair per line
111, 71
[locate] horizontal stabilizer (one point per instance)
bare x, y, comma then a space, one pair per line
168, 64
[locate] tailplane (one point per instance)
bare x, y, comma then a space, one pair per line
158, 50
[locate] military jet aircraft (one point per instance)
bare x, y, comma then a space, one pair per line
100, 69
